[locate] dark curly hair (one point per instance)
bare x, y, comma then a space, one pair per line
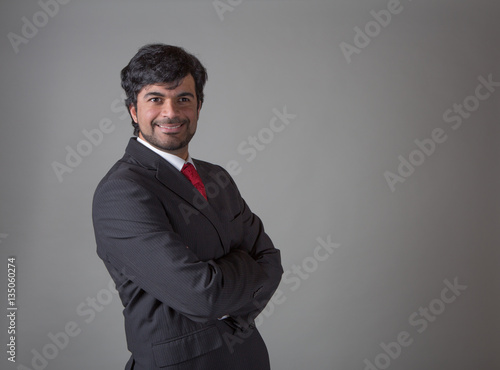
157, 64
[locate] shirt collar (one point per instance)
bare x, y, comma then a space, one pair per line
175, 161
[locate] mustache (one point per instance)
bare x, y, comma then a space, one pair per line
175, 120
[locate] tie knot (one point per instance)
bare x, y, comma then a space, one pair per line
189, 171
187, 166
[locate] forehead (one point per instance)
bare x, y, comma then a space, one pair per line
185, 84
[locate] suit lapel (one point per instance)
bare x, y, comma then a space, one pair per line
179, 184
173, 179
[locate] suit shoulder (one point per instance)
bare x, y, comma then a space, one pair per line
127, 169
199, 162
209, 167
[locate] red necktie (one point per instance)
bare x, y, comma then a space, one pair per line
190, 172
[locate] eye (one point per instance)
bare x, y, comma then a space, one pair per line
184, 100
155, 100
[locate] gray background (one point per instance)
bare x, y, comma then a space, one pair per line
320, 177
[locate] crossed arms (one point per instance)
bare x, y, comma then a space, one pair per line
135, 236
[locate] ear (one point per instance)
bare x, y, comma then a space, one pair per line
133, 112
199, 107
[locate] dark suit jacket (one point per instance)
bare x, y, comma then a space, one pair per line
180, 263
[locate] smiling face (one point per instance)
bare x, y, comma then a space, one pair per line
167, 115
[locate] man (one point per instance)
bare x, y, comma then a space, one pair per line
192, 263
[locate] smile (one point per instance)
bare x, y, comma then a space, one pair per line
169, 127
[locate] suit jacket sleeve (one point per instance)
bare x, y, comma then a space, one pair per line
135, 237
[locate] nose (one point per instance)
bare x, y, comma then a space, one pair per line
169, 109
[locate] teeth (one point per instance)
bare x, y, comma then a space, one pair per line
170, 127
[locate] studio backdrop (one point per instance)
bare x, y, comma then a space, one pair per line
365, 134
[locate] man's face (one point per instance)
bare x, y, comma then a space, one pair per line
167, 115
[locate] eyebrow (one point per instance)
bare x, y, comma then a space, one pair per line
157, 93
185, 94
153, 93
